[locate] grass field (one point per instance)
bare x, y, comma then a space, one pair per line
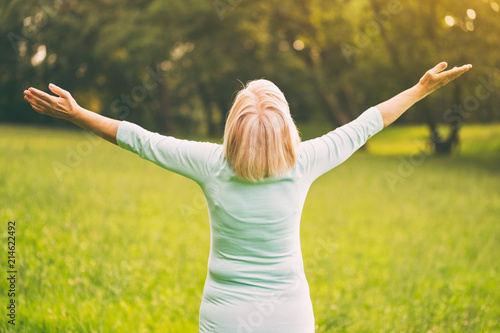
394, 240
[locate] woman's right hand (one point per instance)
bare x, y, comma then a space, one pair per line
64, 106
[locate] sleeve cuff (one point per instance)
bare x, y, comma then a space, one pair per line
124, 134
379, 119
372, 120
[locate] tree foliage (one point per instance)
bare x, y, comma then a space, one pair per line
174, 66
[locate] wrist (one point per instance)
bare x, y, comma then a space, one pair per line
419, 92
77, 114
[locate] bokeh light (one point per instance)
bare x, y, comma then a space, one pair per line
39, 56
471, 13
495, 6
298, 45
449, 20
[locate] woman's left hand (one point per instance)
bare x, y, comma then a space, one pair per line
435, 78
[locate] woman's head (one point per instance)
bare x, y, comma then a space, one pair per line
260, 138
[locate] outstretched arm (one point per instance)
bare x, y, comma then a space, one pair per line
65, 107
434, 79
188, 158
326, 152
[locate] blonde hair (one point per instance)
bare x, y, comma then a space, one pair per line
260, 138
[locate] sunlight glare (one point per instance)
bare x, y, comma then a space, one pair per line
494, 5
471, 13
52, 59
39, 56
449, 20
298, 45
283, 46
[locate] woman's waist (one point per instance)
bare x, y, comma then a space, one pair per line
252, 286
259, 273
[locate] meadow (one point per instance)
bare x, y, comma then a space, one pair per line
394, 239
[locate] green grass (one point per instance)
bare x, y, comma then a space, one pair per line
118, 244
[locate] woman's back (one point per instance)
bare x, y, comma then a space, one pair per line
255, 280
255, 228
255, 272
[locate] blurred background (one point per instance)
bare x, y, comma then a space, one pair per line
174, 66
402, 237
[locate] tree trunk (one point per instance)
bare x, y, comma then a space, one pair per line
165, 120
332, 108
352, 104
327, 96
207, 106
391, 49
445, 147
441, 146
223, 108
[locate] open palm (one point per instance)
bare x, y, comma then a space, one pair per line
435, 78
64, 106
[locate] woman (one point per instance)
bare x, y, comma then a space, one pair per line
255, 185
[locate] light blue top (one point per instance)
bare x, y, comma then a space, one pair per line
255, 280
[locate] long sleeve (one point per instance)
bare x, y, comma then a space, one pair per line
188, 158
322, 154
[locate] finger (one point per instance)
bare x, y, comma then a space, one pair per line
28, 97
41, 103
32, 102
33, 106
439, 67
456, 72
461, 68
42, 95
58, 91
37, 109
